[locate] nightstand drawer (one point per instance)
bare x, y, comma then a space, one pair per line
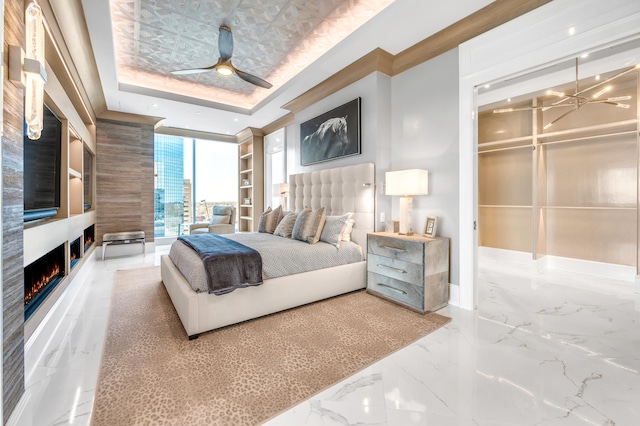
398, 269
407, 250
401, 291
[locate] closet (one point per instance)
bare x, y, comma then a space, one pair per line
556, 180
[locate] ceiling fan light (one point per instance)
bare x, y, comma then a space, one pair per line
223, 69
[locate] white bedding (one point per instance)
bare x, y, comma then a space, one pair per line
280, 256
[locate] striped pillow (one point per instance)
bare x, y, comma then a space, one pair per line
269, 220
333, 228
285, 227
308, 226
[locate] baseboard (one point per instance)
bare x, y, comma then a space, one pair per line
600, 269
454, 295
502, 254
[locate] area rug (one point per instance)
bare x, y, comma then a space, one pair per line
242, 374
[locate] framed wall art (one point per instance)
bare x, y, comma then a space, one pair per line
332, 135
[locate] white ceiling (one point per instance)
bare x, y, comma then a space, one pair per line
294, 44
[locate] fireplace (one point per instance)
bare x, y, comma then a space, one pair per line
74, 253
41, 277
89, 237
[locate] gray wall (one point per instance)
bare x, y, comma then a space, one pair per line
425, 135
408, 121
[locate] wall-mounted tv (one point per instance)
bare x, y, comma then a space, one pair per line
42, 169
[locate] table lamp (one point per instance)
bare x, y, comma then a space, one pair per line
406, 184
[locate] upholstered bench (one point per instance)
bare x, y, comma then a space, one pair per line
122, 238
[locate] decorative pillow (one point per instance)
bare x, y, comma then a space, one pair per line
217, 219
308, 226
269, 220
222, 210
285, 227
346, 231
333, 227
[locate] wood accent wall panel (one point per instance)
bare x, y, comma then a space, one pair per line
12, 221
124, 178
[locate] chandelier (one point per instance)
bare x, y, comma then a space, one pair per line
580, 97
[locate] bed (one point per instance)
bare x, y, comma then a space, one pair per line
338, 190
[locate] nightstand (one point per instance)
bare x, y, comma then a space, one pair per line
410, 270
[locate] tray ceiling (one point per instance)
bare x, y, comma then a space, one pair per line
274, 41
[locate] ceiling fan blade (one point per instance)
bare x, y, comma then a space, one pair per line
191, 71
253, 79
225, 42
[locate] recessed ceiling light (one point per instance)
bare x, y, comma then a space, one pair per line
154, 105
572, 31
235, 119
197, 112
584, 55
486, 86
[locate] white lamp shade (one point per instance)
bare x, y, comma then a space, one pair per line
407, 182
280, 189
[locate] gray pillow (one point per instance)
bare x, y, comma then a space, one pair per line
218, 219
269, 220
333, 227
308, 226
285, 227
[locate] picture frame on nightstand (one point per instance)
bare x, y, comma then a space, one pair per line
431, 227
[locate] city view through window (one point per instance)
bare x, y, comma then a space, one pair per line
190, 177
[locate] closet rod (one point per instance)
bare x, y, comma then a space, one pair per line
608, 135
507, 148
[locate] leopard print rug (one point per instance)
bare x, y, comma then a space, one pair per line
243, 374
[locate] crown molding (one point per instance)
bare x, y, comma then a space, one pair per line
195, 134
483, 20
248, 133
281, 122
131, 118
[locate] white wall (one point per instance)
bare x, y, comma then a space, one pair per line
424, 133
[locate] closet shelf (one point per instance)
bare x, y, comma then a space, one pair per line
590, 131
247, 155
74, 173
587, 208
500, 206
246, 218
515, 141
244, 172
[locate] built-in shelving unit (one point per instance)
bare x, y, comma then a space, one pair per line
250, 179
567, 190
68, 228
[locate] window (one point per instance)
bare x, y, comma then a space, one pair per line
191, 176
275, 167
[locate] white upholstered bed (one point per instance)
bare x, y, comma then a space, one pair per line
338, 190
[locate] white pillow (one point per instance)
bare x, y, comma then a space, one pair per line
346, 232
334, 227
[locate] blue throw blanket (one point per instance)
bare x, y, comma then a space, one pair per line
229, 264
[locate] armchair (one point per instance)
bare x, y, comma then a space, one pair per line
223, 221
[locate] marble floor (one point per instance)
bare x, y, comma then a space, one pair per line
542, 349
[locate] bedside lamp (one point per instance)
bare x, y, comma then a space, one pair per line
282, 190
406, 184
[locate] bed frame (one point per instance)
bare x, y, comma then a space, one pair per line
338, 190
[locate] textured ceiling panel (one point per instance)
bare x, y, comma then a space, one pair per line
273, 41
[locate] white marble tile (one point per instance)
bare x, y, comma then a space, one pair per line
542, 349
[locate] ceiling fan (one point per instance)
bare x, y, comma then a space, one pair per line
224, 65
579, 98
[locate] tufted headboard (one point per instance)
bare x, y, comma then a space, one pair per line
339, 190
